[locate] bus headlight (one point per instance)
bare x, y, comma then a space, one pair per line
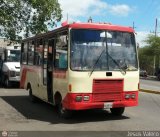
127, 96
78, 98
86, 98
12, 73
133, 96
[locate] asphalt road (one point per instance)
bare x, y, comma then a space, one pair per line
17, 113
150, 84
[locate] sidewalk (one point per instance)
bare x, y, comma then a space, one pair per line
150, 85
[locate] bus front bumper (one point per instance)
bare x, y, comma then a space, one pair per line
70, 103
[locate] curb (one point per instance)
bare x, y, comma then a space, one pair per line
149, 91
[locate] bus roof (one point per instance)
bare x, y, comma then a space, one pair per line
93, 26
100, 26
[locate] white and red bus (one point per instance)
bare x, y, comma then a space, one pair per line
82, 66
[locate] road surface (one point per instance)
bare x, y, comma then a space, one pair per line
150, 84
17, 113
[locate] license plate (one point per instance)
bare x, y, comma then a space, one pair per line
108, 105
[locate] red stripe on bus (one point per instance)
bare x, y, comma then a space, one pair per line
24, 74
59, 74
23, 78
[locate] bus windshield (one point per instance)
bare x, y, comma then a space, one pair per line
13, 55
100, 50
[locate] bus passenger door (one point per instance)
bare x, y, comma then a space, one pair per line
50, 64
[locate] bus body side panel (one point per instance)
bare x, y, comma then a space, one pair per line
60, 82
32, 75
42, 89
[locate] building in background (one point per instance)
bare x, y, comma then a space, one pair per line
3, 42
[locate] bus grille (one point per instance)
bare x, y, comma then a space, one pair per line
107, 90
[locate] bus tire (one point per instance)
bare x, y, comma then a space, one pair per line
64, 113
7, 83
158, 76
31, 96
117, 111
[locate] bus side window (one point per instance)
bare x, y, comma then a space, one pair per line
61, 59
31, 53
24, 53
39, 53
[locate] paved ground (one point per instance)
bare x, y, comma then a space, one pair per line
150, 84
17, 113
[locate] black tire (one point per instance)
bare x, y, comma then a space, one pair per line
117, 111
7, 83
31, 96
1, 83
158, 76
64, 113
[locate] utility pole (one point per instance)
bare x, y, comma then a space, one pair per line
154, 60
156, 28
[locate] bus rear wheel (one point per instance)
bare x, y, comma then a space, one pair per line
117, 111
64, 113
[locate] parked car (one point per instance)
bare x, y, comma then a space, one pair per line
143, 73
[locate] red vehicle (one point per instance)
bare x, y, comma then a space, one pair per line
82, 66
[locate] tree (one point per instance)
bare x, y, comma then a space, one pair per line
150, 53
154, 45
27, 17
145, 60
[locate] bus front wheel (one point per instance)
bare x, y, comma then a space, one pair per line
117, 111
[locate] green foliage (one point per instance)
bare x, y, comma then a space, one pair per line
154, 45
27, 16
145, 61
147, 54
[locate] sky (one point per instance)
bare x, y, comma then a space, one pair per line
120, 12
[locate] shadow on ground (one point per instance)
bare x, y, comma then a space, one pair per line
13, 86
42, 111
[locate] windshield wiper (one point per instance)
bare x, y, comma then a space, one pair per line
121, 68
96, 62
